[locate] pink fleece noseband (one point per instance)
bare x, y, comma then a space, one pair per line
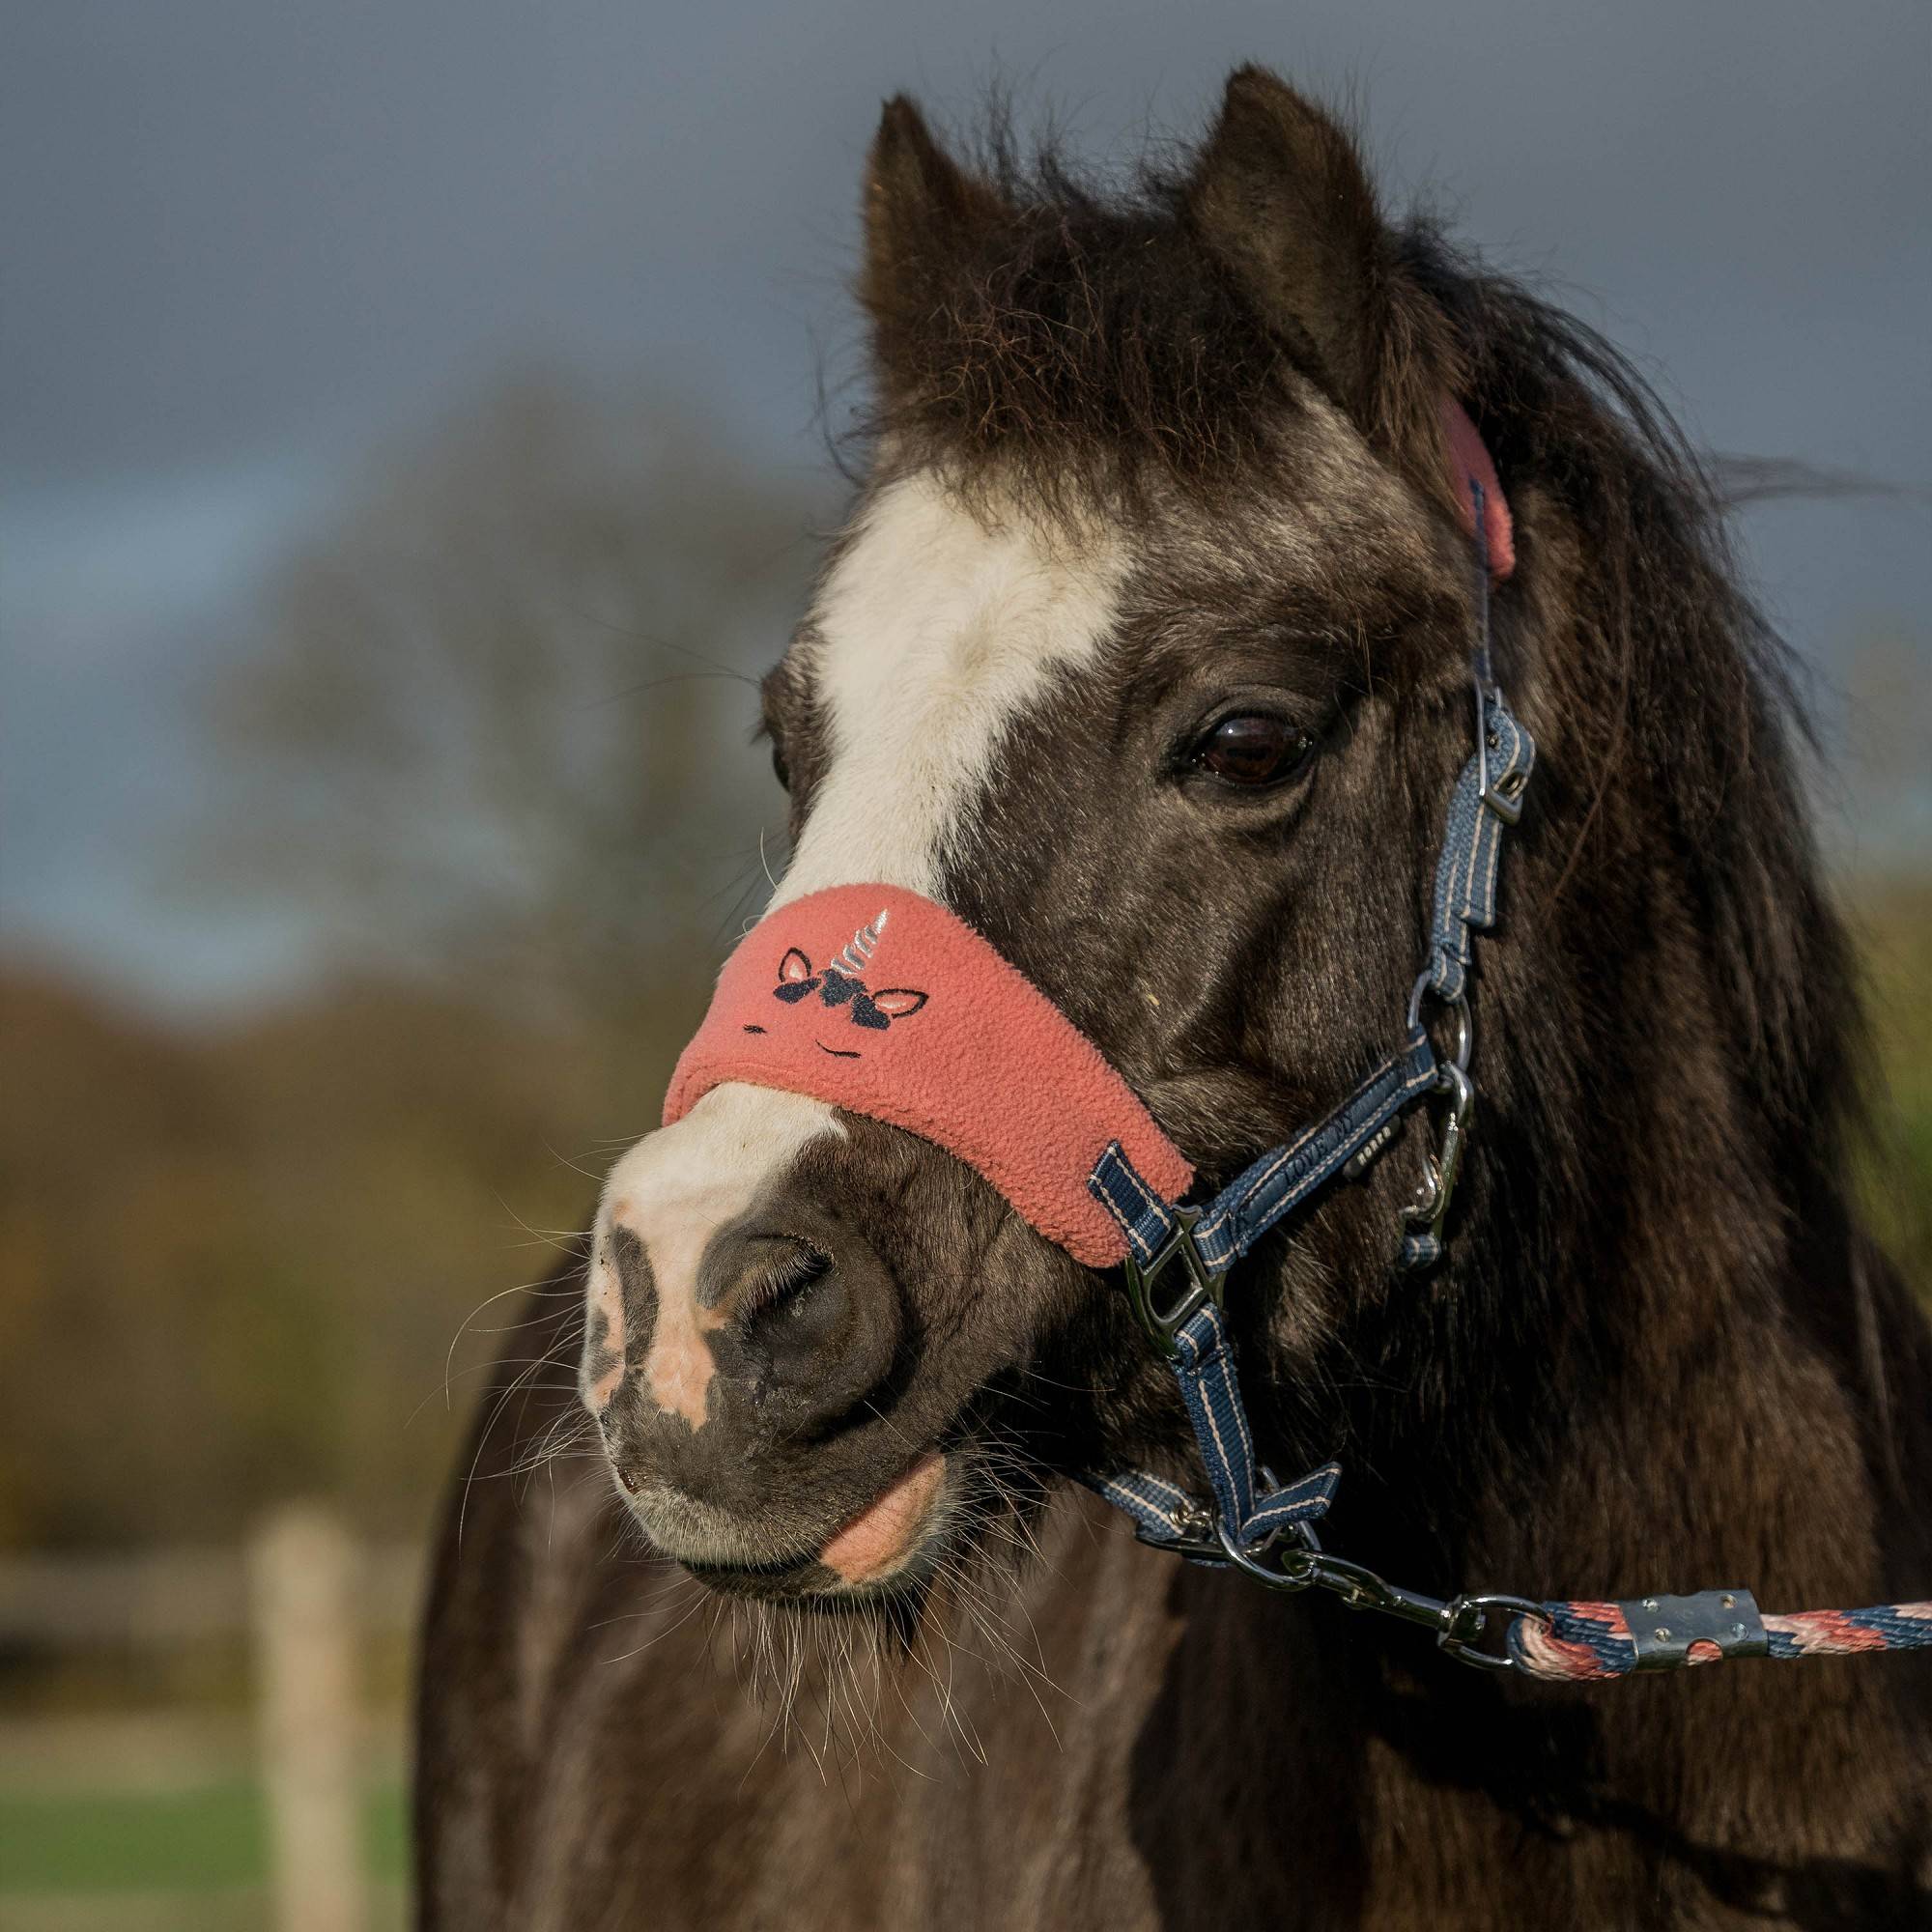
884, 1002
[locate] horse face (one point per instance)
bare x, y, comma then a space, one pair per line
1143, 744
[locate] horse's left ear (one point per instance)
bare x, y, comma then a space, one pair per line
1280, 197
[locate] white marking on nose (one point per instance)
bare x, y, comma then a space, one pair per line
607, 1301
934, 632
674, 1190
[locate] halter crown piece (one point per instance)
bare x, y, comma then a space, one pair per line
881, 1000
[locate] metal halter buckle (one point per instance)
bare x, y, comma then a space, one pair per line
1204, 1286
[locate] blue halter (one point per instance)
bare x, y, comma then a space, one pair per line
1185, 1318
1265, 1528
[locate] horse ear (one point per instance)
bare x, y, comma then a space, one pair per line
793, 967
922, 210
1279, 196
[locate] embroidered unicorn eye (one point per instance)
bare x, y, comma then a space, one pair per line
1253, 749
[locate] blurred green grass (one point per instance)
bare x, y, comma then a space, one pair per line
208, 1837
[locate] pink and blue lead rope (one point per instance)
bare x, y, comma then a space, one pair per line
1585, 1642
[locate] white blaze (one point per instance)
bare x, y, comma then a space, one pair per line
934, 631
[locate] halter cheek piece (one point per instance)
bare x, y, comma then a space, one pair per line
884, 1002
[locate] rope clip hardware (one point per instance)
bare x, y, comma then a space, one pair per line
1430, 1210
1460, 1623
1664, 1629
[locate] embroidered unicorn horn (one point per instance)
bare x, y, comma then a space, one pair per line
864, 943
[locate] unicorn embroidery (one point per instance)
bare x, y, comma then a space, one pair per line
842, 982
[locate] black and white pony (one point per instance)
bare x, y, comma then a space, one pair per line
1145, 651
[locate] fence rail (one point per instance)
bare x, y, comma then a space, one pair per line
306, 1598
162, 1598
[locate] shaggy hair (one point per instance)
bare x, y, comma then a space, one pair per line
1655, 1352
1085, 348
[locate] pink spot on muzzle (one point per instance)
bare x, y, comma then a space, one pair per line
883, 1532
678, 1369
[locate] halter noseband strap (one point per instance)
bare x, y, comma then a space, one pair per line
922, 1023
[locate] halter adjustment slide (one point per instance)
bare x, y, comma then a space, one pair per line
1203, 1283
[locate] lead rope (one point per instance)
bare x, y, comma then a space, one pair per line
1266, 1528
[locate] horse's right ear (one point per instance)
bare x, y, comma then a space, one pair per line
923, 212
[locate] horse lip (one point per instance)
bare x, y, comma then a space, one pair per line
875, 1547
883, 1535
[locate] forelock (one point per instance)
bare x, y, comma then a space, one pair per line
1080, 347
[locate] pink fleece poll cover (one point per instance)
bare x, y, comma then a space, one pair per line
882, 1002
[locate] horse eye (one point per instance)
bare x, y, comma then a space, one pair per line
1254, 747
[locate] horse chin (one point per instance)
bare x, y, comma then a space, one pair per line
887, 1549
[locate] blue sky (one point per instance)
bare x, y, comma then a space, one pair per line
243, 246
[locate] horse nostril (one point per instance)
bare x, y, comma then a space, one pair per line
781, 1289
624, 1476
800, 1317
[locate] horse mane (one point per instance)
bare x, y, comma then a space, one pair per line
1077, 342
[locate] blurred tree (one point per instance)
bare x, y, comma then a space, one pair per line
499, 725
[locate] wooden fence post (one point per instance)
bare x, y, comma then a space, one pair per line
303, 1578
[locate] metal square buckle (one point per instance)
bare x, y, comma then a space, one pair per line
1204, 1286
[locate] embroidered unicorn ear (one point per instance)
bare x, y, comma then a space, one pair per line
879, 1010
796, 978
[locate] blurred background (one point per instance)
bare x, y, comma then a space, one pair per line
413, 425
